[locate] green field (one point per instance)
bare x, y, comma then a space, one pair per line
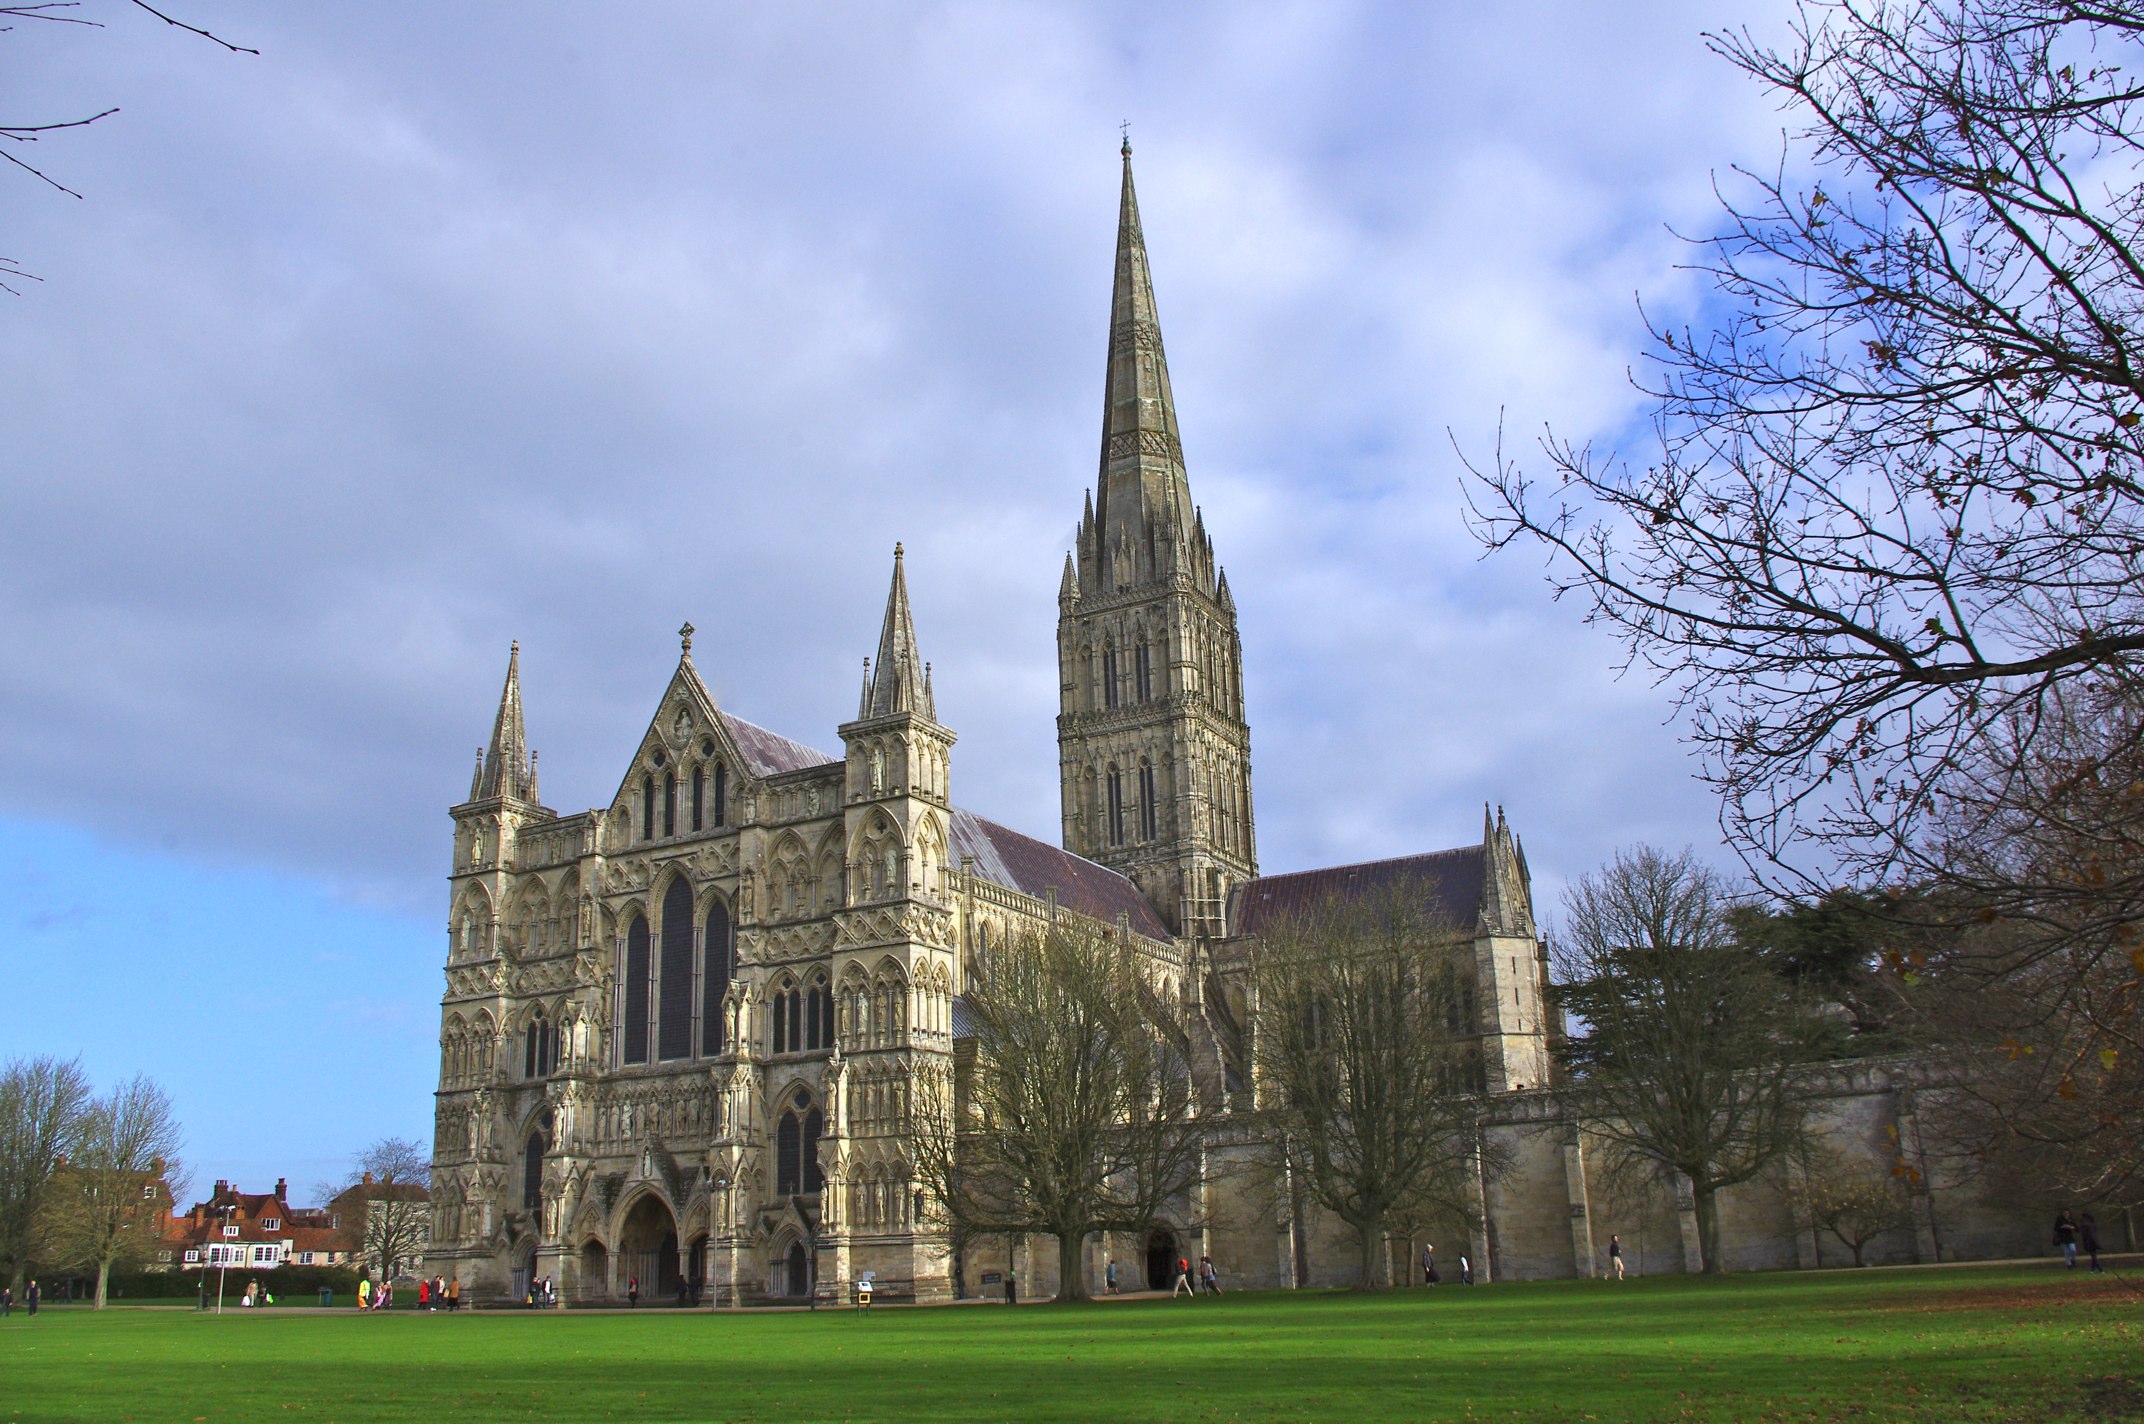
2034, 1343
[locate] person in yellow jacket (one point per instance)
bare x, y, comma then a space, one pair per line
364, 1292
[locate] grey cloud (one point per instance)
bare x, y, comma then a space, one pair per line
428, 330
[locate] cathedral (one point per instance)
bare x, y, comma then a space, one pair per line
679, 1030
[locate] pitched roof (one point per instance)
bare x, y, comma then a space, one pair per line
1450, 882
769, 753
1035, 867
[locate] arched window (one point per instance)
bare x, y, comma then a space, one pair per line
674, 1010
1109, 675
532, 1172
1149, 817
781, 1023
788, 1156
796, 1020
1143, 672
715, 980
669, 803
647, 808
814, 1177
699, 794
722, 793
1116, 806
635, 1028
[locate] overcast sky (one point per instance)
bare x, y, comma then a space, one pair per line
440, 325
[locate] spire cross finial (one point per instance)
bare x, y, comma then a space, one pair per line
684, 635
1125, 128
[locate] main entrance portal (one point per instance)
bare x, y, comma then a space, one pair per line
647, 1250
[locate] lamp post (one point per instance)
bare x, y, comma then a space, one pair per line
223, 1252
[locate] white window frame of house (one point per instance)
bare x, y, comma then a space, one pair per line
272, 1223
192, 1257
265, 1254
230, 1233
305, 1258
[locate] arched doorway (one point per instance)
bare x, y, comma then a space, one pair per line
524, 1274
595, 1271
696, 1264
792, 1273
1161, 1257
647, 1249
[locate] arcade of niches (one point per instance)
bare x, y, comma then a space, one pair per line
680, 1031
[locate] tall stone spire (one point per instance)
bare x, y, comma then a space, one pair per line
1142, 510
507, 768
898, 683
1153, 748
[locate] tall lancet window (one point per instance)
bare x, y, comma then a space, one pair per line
634, 1030
722, 793
669, 803
674, 1036
1143, 672
1109, 676
1149, 817
647, 808
1116, 806
699, 794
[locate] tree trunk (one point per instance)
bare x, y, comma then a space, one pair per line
104, 1274
1071, 1269
1708, 1230
1376, 1260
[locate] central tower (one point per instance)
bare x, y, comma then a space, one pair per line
1153, 748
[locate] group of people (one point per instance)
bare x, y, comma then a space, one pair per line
1209, 1279
256, 1294
30, 1297
439, 1293
2073, 1234
542, 1294
1430, 1275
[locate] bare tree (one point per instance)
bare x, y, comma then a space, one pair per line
1693, 1047
1895, 498
43, 1104
1365, 1067
387, 1194
1076, 1112
1856, 1199
22, 132
111, 1201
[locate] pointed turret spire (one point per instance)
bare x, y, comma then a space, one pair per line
1144, 498
506, 760
897, 682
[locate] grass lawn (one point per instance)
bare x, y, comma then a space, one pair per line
2034, 1344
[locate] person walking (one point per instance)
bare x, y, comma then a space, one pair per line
1209, 1280
1429, 1265
1466, 1271
2066, 1238
30, 1298
454, 1295
364, 1293
632, 1292
1183, 1279
424, 1295
1615, 1254
2088, 1239
7, 1302
1109, 1276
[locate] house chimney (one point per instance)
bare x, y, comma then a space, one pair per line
222, 1186
367, 1181
282, 1189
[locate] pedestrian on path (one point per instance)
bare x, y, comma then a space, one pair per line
1429, 1265
1615, 1254
2088, 1238
31, 1297
1183, 1279
1209, 1281
1109, 1276
7, 1302
1466, 1271
632, 1292
2066, 1238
